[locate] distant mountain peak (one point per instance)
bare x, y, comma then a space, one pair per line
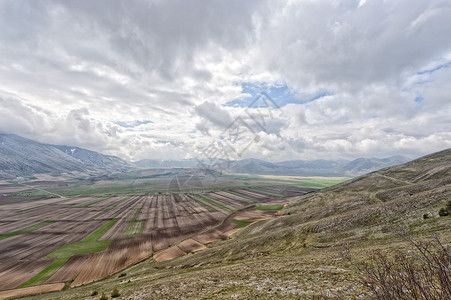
20, 156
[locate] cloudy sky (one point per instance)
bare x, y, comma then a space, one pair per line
276, 80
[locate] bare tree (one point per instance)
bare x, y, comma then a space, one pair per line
421, 273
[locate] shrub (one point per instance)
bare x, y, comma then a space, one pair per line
122, 275
443, 212
104, 297
94, 293
115, 293
424, 275
426, 216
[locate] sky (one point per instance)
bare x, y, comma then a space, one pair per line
274, 80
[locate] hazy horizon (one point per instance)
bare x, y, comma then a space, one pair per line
272, 80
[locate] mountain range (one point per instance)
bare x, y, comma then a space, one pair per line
321, 167
24, 157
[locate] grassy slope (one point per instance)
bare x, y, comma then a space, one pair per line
297, 255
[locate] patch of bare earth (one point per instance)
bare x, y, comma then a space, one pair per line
168, 254
33, 290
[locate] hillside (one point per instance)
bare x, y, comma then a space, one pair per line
92, 158
298, 255
23, 157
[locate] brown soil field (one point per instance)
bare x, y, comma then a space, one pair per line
168, 254
31, 246
191, 245
13, 189
174, 224
91, 267
232, 203
220, 232
233, 197
31, 205
210, 236
20, 199
33, 290
255, 194
255, 215
14, 273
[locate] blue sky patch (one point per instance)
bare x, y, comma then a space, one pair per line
132, 124
257, 94
436, 68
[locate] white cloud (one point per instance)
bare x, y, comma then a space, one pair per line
70, 71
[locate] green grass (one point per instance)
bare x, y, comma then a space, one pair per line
99, 232
240, 224
269, 207
68, 250
134, 227
63, 253
215, 203
245, 197
27, 229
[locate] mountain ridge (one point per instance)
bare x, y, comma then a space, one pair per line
20, 156
25, 157
319, 167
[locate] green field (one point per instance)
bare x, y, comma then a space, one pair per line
150, 181
239, 223
134, 227
63, 253
269, 207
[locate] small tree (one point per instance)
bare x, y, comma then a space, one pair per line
104, 297
94, 293
443, 212
115, 293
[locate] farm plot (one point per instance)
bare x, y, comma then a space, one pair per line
271, 193
60, 250
251, 194
14, 273
287, 190
234, 203
86, 268
31, 290
84, 239
223, 231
